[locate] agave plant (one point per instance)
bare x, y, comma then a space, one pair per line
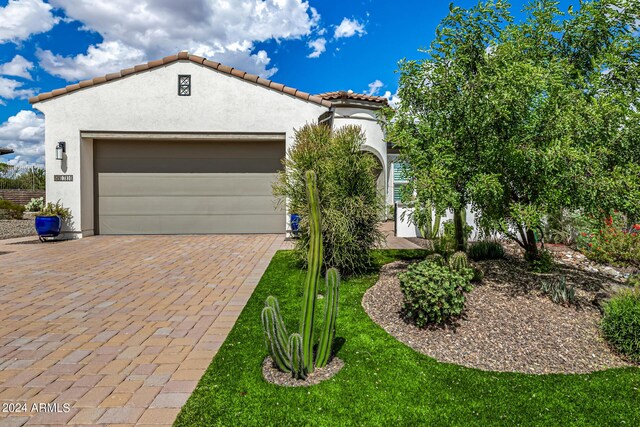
558, 291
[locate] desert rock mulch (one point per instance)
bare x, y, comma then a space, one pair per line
275, 376
11, 228
508, 324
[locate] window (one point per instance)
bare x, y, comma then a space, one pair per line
184, 85
399, 180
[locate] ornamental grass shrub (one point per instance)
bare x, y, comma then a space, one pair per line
621, 323
56, 209
350, 204
485, 249
434, 293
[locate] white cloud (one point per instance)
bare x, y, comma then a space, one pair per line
12, 89
104, 58
18, 66
349, 28
374, 87
221, 30
24, 133
21, 18
393, 99
318, 46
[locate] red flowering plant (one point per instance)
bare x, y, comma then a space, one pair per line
612, 241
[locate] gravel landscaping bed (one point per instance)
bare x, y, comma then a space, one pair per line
275, 376
12, 228
507, 324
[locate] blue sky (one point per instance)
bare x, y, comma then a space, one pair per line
315, 46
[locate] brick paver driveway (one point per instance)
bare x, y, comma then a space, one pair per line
118, 329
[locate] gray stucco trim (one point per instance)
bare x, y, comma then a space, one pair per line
189, 136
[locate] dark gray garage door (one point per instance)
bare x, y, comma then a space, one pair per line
187, 187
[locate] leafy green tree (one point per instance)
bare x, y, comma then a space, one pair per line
437, 123
530, 157
546, 117
558, 118
602, 42
350, 204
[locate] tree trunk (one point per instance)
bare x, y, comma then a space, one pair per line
458, 222
531, 248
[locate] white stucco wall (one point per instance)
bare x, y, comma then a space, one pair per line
368, 120
148, 102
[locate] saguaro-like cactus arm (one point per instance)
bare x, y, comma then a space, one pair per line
279, 350
281, 330
313, 272
330, 315
297, 357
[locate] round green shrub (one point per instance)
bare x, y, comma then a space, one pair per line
433, 293
621, 323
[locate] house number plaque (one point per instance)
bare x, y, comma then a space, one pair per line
64, 178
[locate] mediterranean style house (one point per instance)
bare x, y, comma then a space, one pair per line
184, 145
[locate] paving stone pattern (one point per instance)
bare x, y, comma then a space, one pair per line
120, 328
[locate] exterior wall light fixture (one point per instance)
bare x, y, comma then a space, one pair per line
61, 148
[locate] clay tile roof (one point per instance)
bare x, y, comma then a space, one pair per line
343, 94
184, 56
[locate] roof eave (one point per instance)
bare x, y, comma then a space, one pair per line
184, 56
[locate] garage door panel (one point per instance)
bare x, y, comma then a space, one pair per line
192, 165
143, 149
191, 224
187, 205
162, 184
187, 187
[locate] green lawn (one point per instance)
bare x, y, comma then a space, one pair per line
385, 382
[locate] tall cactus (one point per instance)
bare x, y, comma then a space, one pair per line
313, 271
295, 354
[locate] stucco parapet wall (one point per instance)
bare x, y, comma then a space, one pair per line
345, 96
184, 56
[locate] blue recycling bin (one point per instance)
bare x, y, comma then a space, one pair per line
295, 223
